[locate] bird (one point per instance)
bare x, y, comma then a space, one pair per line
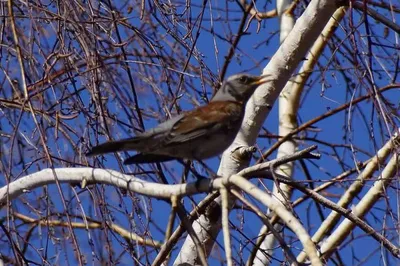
198, 134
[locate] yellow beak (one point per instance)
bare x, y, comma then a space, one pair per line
261, 80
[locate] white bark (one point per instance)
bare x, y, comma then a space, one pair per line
286, 216
330, 222
362, 208
306, 30
99, 176
111, 177
288, 102
288, 106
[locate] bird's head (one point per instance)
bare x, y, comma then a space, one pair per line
239, 87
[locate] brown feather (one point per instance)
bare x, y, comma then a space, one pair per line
206, 116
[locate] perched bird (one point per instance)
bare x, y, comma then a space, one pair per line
198, 134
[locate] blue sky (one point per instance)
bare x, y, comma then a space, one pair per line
251, 56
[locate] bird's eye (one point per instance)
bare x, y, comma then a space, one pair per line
243, 79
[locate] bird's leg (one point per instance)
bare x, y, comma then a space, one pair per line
185, 174
188, 166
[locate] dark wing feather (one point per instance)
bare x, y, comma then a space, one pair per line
205, 120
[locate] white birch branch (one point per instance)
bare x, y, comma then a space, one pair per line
292, 51
362, 208
330, 222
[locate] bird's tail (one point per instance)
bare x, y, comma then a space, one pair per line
115, 146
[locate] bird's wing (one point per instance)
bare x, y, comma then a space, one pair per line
204, 121
162, 130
